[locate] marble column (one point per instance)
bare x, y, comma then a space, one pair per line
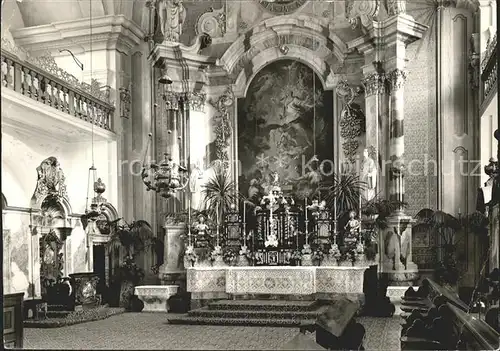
375, 105
396, 79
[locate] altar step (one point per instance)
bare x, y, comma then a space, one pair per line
253, 313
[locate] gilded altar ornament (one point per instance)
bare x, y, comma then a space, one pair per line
51, 181
172, 16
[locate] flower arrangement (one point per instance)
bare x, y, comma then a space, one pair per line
190, 255
360, 248
318, 255
296, 255
229, 256
216, 252
307, 249
335, 252
244, 251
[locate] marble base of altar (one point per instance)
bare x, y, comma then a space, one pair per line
155, 297
275, 280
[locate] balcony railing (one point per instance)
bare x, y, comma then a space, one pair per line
489, 73
40, 79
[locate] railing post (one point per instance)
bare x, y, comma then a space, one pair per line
71, 102
17, 77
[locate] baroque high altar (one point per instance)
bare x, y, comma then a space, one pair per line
300, 89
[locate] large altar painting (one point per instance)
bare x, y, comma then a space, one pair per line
285, 119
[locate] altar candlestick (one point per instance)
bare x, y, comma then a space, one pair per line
189, 221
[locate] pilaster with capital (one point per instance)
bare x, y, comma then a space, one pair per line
375, 86
396, 79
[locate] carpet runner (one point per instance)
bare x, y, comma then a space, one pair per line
253, 313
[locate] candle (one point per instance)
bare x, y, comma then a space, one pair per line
305, 208
244, 211
189, 222
217, 224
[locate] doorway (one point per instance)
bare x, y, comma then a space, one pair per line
99, 259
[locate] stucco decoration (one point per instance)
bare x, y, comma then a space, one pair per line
223, 128
51, 182
361, 12
306, 39
352, 119
212, 23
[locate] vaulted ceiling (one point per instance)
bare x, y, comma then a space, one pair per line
40, 12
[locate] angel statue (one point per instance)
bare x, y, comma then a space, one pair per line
202, 231
352, 229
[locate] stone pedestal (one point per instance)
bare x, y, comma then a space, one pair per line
155, 297
396, 253
172, 265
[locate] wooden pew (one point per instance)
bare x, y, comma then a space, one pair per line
440, 321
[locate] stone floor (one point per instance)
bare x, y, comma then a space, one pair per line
150, 331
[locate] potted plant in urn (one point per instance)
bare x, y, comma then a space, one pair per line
134, 238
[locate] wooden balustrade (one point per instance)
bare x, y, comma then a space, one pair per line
46, 88
489, 67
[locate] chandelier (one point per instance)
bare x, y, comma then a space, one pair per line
169, 176
165, 178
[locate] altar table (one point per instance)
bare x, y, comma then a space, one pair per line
275, 280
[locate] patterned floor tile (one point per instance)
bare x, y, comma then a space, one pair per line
151, 331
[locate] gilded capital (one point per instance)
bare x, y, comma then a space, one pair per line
397, 79
374, 84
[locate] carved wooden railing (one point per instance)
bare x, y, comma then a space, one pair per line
53, 90
489, 74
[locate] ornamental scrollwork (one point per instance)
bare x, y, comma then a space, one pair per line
361, 12
212, 22
51, 181
352, 120
222, 125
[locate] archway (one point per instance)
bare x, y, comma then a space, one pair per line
283, 121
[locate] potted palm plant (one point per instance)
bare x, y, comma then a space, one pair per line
133, 238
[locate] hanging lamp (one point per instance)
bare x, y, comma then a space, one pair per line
97, 201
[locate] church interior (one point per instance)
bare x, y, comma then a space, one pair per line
250, 174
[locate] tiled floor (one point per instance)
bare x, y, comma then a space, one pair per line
151, 331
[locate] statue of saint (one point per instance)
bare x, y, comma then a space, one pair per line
195, 180
369, 176
172, 15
